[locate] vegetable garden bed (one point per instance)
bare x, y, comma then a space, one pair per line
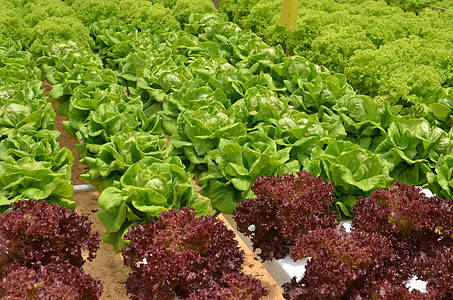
284, 269
159, 95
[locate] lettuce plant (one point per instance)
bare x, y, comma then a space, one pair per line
61, 281
32, 166
333, 252
102, 110
322, 91
38, 10
143, 14
353, 171
359, 264
259, 105
236, 9
200, 131
235, 164
184, 8
302, 132
90, 11
67, 66
146, 189
109, 161
440, 182
41, 256
406, 213
12, 23
185, 256
411, 147
398, 235
22, 101
441, 109
18, 111
365, 120
54, 30
285, 207
37, 233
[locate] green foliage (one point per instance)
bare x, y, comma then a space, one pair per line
8, 5
20, 111
12, 25
38, 10
90, 11
183, 9
102, 110
54, 30
235, 164
66, 66
352, 169
166, 3
146, 189
336, 44
259, 105
236, 9
200, 131
418, 8
404, 71
401, 57
259, 19
441, 111
32, 166
412, 147
441, 180
143, 14
22, 102
109, 161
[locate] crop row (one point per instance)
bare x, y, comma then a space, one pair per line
234, 108
40, 244
32, 165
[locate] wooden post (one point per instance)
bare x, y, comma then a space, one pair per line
288, 16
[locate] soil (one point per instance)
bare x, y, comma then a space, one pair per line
108, 266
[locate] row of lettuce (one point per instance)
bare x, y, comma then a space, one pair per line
399, 244
234, 107
40, 244
38, 24
32, 164
154, 105
43, 248
399, 52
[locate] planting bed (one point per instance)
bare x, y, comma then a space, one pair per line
282, 270
157, 93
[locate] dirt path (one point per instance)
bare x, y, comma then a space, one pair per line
108, 266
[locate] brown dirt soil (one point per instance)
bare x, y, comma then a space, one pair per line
108, 266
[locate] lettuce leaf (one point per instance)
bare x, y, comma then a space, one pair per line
235, 164
32, 166
353, 170
440, 182
199, 131
147, 188
412, 147
109, 161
